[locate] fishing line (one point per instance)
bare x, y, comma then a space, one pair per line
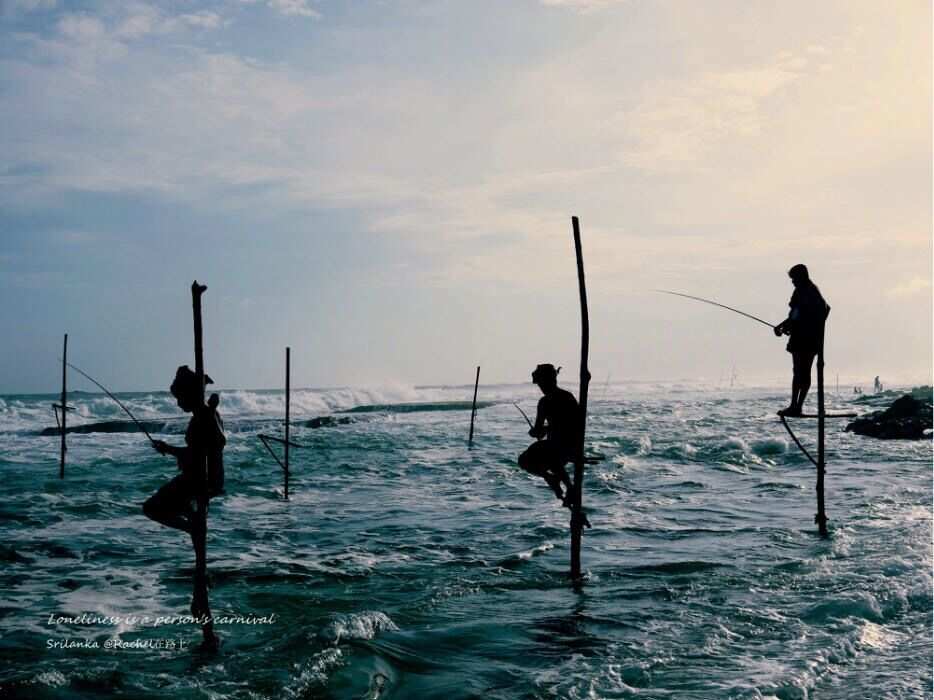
119, 402
714, 303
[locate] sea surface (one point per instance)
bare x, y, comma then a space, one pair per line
407, 564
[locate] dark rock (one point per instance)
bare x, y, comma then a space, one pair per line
906, 419
118, 426
328, 421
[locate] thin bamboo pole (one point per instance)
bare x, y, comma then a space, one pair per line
473, 411
61, 469
577, 517
821, 517
200, 606
288, 362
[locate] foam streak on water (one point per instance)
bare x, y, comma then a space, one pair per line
406, 565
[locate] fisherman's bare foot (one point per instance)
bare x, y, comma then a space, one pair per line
555, 485
790, 412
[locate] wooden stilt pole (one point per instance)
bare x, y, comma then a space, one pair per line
200, 607
577, 517
821, 517
61, 469
288, 361
473, 411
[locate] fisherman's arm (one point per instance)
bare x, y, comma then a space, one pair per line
164, 448
785, 326
794, 314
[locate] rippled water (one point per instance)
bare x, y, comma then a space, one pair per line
406, 565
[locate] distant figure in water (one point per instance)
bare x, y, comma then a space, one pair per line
174, 504
805, 325
558, 408
877, 385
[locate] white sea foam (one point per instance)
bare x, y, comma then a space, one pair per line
645, 445
315, 673
540, 549
362, 625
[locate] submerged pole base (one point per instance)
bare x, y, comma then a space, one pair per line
821, 521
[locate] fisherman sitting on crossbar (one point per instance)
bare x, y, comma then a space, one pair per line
172, 505
547, 457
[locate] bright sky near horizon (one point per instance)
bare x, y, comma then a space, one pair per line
387, 186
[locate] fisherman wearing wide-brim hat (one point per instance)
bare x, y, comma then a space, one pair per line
558, 409
172, 505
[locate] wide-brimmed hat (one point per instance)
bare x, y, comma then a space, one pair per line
544, 372
186, 381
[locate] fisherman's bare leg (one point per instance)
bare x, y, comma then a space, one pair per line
802, 379
565, 479
535, 460
169, 519
170, 505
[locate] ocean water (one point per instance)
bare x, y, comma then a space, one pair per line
407, 565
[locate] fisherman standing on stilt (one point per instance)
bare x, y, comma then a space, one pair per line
805, 325
548, 457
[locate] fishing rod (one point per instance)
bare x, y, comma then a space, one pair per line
119, 402
523, 415
722, 306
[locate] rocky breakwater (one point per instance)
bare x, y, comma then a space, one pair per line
908, 418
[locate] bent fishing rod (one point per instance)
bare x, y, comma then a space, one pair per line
714, 303
523, 415
119, 402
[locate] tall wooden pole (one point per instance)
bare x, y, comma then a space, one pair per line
577, 518
821, 517
288, 361
61, 469
473, 411
200, 606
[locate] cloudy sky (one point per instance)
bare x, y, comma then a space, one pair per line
387, 186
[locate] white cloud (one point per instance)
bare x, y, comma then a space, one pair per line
294, 8
204, 19
711, 168
912, 287
684, 121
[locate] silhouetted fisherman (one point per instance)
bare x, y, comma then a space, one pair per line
805, 325
558, 408
173, 505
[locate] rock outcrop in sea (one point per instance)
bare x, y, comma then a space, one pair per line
908, 418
